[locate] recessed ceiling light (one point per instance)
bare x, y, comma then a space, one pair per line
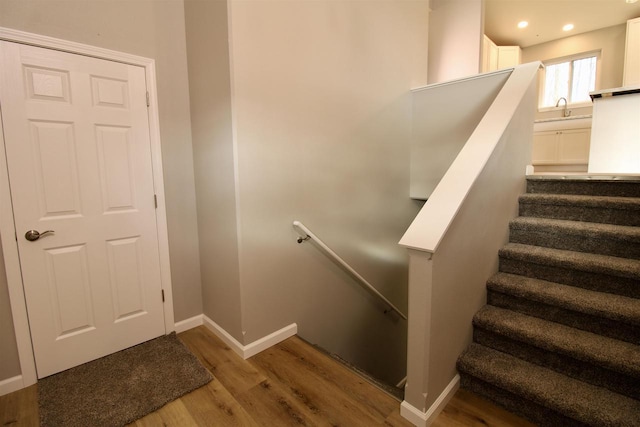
631, 1
523, 24
567, 27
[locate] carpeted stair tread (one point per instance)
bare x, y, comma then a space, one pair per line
593, 229
588, 372
602, 209
605, 239
593, 263
611, 202
589, 404
600, 304
580, 186
615, 355
614, 202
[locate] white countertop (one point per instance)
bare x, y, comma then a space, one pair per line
563, 123
604, 93
558, 119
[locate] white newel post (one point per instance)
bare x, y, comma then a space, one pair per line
419, 335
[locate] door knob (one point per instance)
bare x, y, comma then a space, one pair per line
33, 235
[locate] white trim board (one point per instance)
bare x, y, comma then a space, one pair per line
246, 351
190, 323
7, 226
11, 384
424, 419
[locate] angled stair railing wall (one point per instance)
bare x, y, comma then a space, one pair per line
454, 239
309, 235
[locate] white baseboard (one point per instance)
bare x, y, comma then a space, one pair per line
229, 340
270, 340
190, 323
424, 419
246, 351
11, 384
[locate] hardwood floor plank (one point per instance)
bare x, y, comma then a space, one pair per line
469, 410
231, 370
20, 408
176, 414
396, 420
290, 384
270, 405
363, 392
172, 414
151, 420
214, 405
310, 387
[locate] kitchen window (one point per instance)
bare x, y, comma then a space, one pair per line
571, 78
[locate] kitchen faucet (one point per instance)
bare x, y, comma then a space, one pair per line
565, 113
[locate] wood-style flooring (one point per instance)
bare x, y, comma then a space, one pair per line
290, 384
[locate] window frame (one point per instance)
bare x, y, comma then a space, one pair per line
568, 58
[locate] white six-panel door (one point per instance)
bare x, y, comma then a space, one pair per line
78, 151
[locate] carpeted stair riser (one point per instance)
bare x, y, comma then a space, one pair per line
606, 210
584, 371
615, 307
538, 414
585, 187
584, 321
597, 272
581, 261
603, 239
583, 279
576, 307
603, 352
577, 400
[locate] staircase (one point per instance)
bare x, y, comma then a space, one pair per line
559, 339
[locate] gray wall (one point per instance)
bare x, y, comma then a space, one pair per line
455, 39
152, 29
322, 115
9, 361
214, 160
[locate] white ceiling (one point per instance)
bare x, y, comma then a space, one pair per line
546, 18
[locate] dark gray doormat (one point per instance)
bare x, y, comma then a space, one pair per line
122, 387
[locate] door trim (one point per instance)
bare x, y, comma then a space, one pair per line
7, 224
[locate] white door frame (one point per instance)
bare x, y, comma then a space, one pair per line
7, 225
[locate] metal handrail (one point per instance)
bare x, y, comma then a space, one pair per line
309, 235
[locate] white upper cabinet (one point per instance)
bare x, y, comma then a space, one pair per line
498, 57
508, 56
631, 75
